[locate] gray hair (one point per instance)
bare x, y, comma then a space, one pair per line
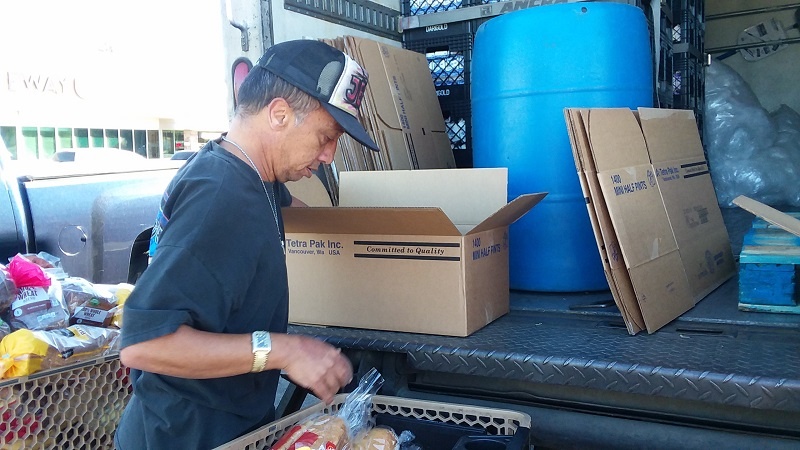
261, 86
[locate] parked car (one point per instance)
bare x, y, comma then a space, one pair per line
96, 154
182, 155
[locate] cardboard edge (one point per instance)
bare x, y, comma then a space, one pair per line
618, 278
770, 214
339, 220
509, 213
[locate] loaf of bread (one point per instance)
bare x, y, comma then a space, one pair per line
322, 432
24, 352
378, 438
38, 308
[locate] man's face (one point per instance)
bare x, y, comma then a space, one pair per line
307, 145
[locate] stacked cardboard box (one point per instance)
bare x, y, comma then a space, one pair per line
400, 111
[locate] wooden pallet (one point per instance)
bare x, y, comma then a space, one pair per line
769, 269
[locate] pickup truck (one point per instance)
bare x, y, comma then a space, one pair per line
95, 217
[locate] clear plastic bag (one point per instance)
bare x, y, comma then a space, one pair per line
38, 303
750, 151
335, 431
8, 290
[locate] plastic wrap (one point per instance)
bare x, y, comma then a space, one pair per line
750, 151
8, 290
335, 431
39, 303
88, 304
24, 352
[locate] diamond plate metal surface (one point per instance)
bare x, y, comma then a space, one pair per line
744, 368
713, 353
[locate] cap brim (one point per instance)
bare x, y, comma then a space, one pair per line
350, 125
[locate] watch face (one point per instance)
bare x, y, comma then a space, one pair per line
262, 340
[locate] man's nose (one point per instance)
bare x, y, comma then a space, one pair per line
328, 151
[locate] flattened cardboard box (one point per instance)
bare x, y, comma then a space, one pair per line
654, 211
409, 124
422, 251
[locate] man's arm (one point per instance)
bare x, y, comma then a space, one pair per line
190, 353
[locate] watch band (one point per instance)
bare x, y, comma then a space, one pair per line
262, 345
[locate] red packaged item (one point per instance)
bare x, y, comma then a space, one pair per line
25, 273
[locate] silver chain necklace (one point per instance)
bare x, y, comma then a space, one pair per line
266, 192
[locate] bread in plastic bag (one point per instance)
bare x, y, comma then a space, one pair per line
5, 329
38, 303
24, 352
26, 273
8, 290
38, 308
88, 304
319, 432
377, 438
335, 431
120, 293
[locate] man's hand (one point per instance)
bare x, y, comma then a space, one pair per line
312, 364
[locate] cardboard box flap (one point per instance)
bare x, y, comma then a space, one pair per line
453, 191
770, 214
369, 221
671, 134
509, 213
616, 138
310, 191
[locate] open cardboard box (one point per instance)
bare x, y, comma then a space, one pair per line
423, 251
654, 211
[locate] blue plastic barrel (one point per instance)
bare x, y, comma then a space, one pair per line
528, 66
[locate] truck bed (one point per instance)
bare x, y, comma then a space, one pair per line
717, 372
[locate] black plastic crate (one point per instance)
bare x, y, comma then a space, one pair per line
664, 74
449, 55
420, 7
688, 82
695, 7
664, 99
458, 119
689, 29
444, 30
448, 50
429, 434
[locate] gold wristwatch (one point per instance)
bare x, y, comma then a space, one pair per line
262, 345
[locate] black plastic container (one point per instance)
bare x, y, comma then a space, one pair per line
432, 435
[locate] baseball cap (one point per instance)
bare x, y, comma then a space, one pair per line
328, 75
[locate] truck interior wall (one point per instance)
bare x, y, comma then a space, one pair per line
773, 78
289, 25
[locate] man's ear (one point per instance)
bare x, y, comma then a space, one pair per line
279, 113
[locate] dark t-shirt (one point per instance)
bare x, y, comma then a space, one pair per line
219, 268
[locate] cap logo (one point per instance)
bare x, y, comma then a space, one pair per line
354, 95
349, 92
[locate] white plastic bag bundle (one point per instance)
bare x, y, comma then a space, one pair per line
750, 151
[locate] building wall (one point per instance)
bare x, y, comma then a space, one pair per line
774, 78
110, 69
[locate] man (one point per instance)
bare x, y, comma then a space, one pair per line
205, 328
